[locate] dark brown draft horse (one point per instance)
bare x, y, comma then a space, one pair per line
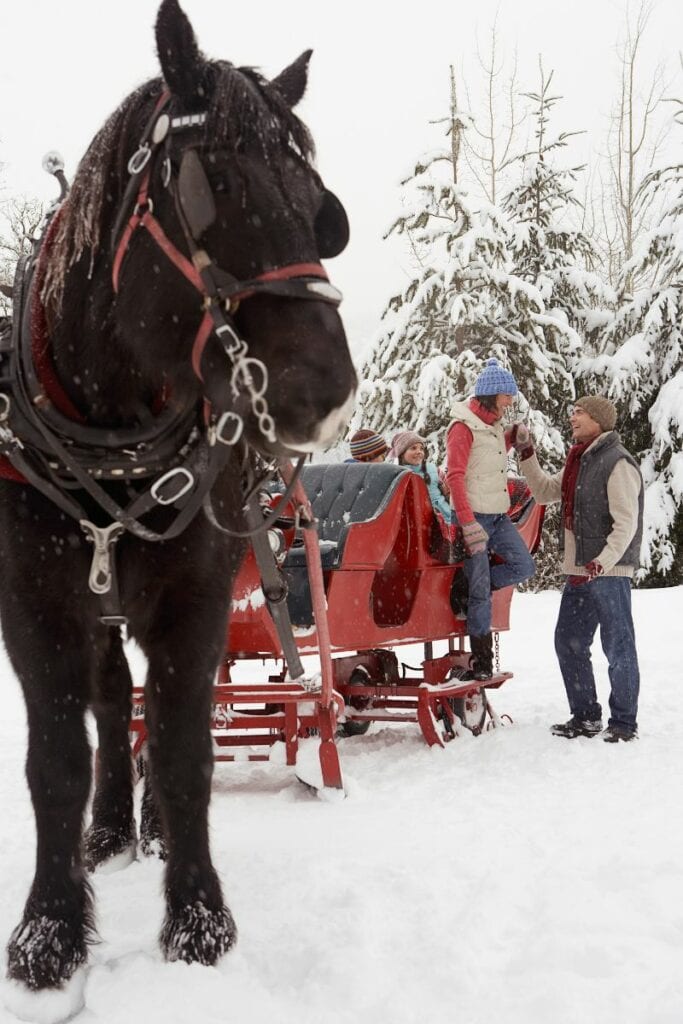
176, 320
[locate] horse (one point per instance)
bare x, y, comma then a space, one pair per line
183, 333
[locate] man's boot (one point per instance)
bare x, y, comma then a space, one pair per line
482, 657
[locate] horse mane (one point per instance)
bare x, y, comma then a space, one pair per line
245, 113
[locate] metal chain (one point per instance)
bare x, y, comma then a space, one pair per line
496, 647
245, 369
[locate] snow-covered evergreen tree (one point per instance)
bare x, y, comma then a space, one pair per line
463, 306
641, 366
548, 250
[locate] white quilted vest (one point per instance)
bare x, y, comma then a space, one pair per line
486, 475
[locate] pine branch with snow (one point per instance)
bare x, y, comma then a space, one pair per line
641, 367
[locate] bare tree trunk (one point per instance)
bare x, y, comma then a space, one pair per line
22, 218
631, 148
497, 128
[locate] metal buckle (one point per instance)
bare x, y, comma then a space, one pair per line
161, 127
139, 159
103, 538
326, 291
155, 489
228, 419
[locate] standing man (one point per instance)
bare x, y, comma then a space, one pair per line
601, 495
476, 447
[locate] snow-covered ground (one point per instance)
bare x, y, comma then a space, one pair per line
514, 878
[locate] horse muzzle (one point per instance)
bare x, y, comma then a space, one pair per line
325, 433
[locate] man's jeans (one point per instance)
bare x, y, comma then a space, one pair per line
604, 602
517, 565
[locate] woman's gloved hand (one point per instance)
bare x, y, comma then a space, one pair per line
474, 537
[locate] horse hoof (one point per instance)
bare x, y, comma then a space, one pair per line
198, 935
43, 953
108, 849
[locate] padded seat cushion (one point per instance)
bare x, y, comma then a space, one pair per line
342, 494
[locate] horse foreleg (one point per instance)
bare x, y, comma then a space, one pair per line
198, 925
50, 942
152, 839
112, 831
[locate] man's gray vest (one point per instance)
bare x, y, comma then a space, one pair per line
592, 520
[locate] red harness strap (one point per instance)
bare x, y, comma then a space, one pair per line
8, 472
142, 216
280, 274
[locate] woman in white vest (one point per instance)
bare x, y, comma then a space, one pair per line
477, 449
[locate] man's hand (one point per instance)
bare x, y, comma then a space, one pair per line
521, 440
593, 570
475, 538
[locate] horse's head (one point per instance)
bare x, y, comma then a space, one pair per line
215, 162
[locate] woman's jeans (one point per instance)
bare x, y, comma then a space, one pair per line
517, 565
604, 602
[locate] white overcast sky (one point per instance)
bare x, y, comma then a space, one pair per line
379, 73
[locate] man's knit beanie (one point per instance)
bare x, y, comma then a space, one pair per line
366, 445
494, 379
402, 441
599, 409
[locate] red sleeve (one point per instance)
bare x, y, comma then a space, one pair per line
458, 447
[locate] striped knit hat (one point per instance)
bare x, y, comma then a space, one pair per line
366, 445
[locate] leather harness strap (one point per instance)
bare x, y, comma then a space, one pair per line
143, 217
34, 383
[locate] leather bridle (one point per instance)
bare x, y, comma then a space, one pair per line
221, 292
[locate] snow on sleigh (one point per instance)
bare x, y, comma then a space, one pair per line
378, 575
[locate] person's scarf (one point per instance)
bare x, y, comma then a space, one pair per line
569, 478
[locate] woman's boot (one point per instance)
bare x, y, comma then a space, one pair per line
482, 657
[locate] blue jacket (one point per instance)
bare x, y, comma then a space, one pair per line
439, 502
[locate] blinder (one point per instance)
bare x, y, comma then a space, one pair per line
331, 226
198, 206
195, 195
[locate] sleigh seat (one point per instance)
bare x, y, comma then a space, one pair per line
342, 494
375, 521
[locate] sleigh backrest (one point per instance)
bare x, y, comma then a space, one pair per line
344, 494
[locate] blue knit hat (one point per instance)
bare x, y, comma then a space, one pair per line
494, 379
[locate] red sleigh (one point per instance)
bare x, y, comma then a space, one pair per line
382, 578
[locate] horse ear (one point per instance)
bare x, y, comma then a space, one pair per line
291, 83
182, 64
